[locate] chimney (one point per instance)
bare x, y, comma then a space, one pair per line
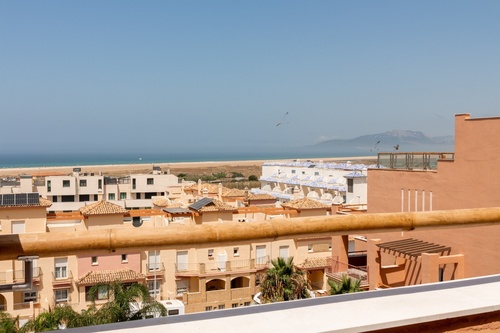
296, 192
199, 186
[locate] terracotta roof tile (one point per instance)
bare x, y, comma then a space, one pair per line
102, 208
234, 192
305, 203
107, 276
263, 196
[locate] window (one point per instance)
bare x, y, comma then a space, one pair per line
350, 185
61, 295
236, 251
124, 258
173, 312
94, 261
17, 227
247, 304
221, 307
154, 260
316, 173
210, 253
83, 182
293, 171
61, 268
102, 292
65, 183
111, 196
49, 186
123, 195
234, 305
30, 296
99, 184
133, 183
182, 287
152, 289
208, 308
83, 197
150, 181
283, 252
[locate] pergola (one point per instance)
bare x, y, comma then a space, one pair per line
412, 248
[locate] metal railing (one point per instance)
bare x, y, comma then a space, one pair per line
160, 268
62, 278
18, 275
222, 266
412, 161
338, 269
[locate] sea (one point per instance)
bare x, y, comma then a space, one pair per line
31, 160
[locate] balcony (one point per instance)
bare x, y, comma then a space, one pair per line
338, 269
62, 281
412, 161
19, 275
151, 271
221, 267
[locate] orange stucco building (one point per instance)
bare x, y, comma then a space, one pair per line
469, 178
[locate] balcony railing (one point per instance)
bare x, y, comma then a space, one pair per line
412, 161
338, 269
62, 279
18, 275
221, 266
150, 268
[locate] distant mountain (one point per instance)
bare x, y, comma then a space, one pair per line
406, 141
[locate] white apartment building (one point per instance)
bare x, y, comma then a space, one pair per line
329, 183
69, 193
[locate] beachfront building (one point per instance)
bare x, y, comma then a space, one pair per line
329, 183
68, 193
203, 279
416, 182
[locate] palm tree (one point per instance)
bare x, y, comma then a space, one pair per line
284, 282
8, 324
126, 302
346, 286
56, 318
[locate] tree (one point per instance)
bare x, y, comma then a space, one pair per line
346, 286
56, 318
253, 178
284, 282
126, 302
8, 324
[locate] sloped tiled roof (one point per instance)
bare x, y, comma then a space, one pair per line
211, 188
102, 208
107, 276
234, 192
211, 205
305, 203
260, 196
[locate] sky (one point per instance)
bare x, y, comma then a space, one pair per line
122, 76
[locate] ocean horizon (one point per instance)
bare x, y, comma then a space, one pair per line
33, 160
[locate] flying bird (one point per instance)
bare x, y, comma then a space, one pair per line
283, 120
376, 145
396, 147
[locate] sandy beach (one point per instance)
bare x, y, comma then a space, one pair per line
245, 167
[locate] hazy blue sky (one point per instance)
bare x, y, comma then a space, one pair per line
155, 75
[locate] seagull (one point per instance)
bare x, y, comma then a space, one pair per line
396, 147
283, 120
